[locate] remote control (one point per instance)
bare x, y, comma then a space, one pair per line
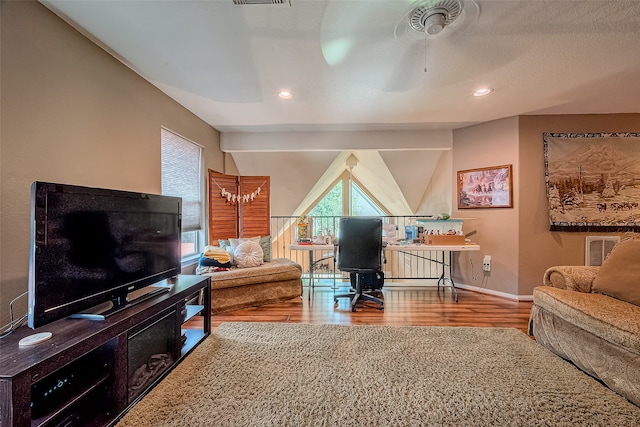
35, 339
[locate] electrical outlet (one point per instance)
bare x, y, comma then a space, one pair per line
486, 263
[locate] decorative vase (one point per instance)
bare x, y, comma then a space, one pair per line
304, 229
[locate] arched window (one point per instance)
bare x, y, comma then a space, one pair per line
347, 198
330, 204
362, 204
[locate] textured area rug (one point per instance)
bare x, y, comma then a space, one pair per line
266, 374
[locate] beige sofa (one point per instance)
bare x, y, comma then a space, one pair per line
274, 281
573, 316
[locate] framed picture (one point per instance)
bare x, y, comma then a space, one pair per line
490, 187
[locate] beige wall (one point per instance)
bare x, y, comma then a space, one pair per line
518, 239
71, 113
540, 248
489, 144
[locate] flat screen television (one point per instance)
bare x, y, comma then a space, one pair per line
91, 246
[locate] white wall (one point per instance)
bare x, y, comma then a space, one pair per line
337, 141
437, 197
398, 167
293, 174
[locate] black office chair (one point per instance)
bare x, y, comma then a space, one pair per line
359, 252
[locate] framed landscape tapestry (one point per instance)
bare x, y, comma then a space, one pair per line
485, 188
593, 181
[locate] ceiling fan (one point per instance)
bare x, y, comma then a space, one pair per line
413, 42
431, 18
430, 22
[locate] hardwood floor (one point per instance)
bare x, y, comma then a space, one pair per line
402, 307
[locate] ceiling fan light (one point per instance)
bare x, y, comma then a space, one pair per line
483, 91
435, 23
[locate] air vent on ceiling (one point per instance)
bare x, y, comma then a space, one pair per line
247, 2
597, 249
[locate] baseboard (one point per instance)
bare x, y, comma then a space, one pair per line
495, 293
429, 283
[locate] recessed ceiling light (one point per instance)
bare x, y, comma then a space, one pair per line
482, 92
285, 94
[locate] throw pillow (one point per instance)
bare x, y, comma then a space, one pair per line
265, 243
248, 254
619, 274
236, 242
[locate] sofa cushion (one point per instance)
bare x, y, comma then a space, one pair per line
619, 275
609, 318
278, 270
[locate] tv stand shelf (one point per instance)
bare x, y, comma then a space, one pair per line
90, 372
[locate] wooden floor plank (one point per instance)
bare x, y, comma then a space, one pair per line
424, 306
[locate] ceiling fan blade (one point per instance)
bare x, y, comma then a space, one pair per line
363, 40
355, 29
424, 53
405, 72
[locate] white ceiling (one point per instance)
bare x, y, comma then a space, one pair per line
356, 65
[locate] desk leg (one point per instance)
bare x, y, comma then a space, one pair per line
453, 284
311, 282
443, 278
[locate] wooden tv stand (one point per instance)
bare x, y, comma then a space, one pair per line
91, 372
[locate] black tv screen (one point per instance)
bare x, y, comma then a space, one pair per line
91, 245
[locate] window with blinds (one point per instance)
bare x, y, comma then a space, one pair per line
182, 177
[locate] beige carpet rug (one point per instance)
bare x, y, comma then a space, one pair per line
265, 374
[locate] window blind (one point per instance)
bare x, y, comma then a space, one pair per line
181, 172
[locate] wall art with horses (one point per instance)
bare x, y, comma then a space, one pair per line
490, 187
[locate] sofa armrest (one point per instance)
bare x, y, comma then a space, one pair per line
572, 277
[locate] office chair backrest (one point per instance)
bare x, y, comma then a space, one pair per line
360, 244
